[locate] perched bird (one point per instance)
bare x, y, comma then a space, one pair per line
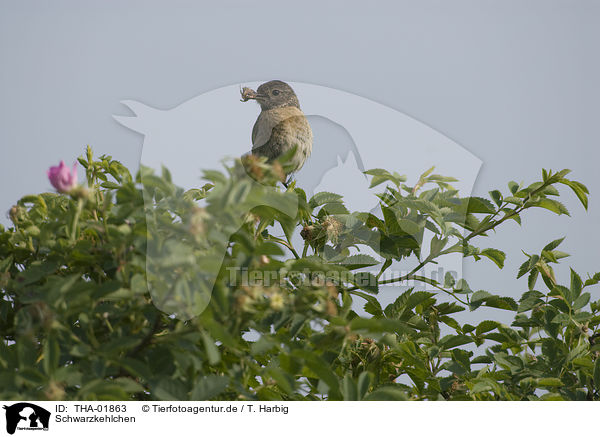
281, 125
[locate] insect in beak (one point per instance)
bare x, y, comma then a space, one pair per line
247, 94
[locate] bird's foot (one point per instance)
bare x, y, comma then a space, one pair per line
289, 184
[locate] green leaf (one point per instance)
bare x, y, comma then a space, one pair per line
380, 175
550, 382
486, 326
451, 341
215, 176
437, 244
479, 205
576, 284
508, 362
208, 387
6, 263
374, 305
582, 317
391, 221
51, 354
551, 205
135, 367
583, 362
502, 302
554, 244
263, 345
559, 290
366, 281
593, 280
196, 194
409, 226
449, 280
497, 256
581, 301
597, 374
514, 200
169, 390
100, 390
333, 208
322, 198
529, 300
110, 185
532, 279
460, 363
36, 271
321, 369
480, 295
89, 154
129, 385
364, 382
481, 387
528, 265
378, 325
462, 287
551, 397
359, 261
427, 172
349, 389
285, 381
496, 197
579, 350
211, 349
387, 393
579, 189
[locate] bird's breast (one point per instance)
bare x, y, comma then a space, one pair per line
269, 119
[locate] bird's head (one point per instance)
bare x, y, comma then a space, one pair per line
272, 94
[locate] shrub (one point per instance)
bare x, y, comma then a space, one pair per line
132, 289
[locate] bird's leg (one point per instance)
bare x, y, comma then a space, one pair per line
289, 183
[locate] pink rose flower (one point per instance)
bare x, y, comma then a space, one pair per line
62, 178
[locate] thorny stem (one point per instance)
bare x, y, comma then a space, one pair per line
408, 275
411, 275
291, 247
514, 212
451, 293
305, 250
287, 244
76, 219
400, 278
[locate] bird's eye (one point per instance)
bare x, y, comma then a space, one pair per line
275, 92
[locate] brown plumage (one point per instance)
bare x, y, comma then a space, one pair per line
281, 124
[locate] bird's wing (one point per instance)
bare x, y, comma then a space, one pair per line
255, 132
292, 132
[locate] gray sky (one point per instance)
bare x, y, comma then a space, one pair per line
513, 82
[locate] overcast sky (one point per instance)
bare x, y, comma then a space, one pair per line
513, 83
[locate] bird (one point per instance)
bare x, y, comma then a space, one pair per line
280, 126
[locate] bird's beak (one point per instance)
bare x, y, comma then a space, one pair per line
255, 96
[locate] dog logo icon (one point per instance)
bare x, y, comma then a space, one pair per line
26, 416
